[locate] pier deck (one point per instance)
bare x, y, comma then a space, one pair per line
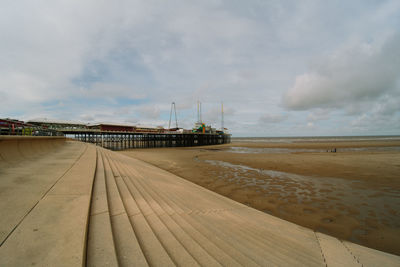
68, 203
127, 140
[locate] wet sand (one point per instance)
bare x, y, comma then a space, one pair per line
353, 194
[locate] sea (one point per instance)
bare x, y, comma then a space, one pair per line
315, 139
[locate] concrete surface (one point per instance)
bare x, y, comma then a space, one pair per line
65, 203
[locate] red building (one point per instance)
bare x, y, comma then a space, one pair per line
110, 127
113, 127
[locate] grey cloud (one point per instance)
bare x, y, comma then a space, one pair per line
149, 111
318, 115
359, 73
112, 90
373, 123
124, 110
357, 108
132, 120
87, 117
389, 105
273, 118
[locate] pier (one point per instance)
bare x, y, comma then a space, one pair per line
129, 140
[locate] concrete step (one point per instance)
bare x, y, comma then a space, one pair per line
335, 252
269, 242
296, 237
371, 257
174, 210
164, 212
174, 248
225, 258
149, 243
198, 246
100, 247
211, 248
126, 243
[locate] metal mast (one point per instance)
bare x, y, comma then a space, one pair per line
198, 111
199, 119
170, 116
222, 116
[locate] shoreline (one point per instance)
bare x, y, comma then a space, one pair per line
352, 195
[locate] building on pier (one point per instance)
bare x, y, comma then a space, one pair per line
57, 124
113, 127
119, 127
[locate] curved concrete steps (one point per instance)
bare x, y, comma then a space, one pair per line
16, 150
101, 208
53, 230
24, 181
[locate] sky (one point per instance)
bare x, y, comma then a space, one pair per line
281, 68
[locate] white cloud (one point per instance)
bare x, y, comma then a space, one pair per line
360, 73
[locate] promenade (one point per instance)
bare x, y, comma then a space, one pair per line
68, 203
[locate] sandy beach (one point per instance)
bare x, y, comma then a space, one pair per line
352, 194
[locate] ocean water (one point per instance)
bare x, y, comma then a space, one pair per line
327, 139
278, 150
314, 139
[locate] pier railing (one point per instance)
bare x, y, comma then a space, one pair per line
129, 140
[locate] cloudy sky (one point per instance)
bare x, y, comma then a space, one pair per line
281, 68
